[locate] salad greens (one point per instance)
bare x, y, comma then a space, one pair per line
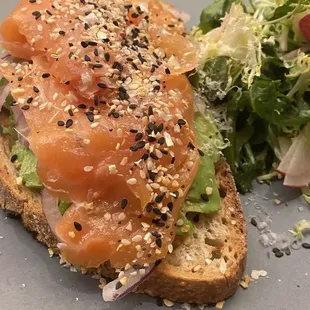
27, 166
254, 76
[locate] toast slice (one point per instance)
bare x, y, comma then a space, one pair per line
203, 269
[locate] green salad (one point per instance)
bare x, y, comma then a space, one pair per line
254, 75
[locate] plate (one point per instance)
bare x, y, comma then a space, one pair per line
30, 279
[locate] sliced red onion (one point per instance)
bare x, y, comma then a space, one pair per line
4, 92
295, 164
21, 126
115, 290
50, 208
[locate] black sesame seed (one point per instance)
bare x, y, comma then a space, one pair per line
118, 285
141, 58
70, 112
159, 198
61, 123
134, 66
90, 116
82, 106
97, 66
196, 218
181, 122
92, 43
13, 158
139, 136
150, 110
102, 85
167, 71
62, 33
278, 254
170, 205
133, 106
161, 140
172, 160
154, 156
275, 250
45, 75
201, 153
87, 58
84, 44
204, 197
36, 89
115, 115
32, 1
287, 251
145, 157
128, 6
164, 217
77, 226
25, 107
151, 139
20, 78
253, 222
305, 245
152, 176
157, 211
148, 207
69, 123
138, 146
117, 65
133, 130
124, 203
160, 128
191, 145
30, 99
159, 243
134, 15
96, 52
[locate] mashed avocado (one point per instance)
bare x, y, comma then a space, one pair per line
203, 196
26, 164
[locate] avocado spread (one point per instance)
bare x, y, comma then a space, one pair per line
203, 196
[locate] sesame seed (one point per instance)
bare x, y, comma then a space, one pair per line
13, 158
204, 197
88, 168
69, 123
61, 123
124, 203
132, 181
77, 226
102, 85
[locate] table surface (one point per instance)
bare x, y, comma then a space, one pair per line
30, 279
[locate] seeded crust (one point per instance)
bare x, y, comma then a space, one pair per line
185, 275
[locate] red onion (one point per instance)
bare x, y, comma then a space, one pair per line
4, 92
50, 208
110, 291
21, 126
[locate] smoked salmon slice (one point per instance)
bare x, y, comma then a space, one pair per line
102, 87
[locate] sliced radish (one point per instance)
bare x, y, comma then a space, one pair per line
295, 165
304, 25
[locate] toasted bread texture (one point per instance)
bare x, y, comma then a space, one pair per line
205, 268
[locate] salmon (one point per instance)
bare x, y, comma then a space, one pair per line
102, 87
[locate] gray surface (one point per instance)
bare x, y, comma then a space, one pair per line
29, 279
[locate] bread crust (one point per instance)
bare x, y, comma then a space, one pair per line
167, 281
